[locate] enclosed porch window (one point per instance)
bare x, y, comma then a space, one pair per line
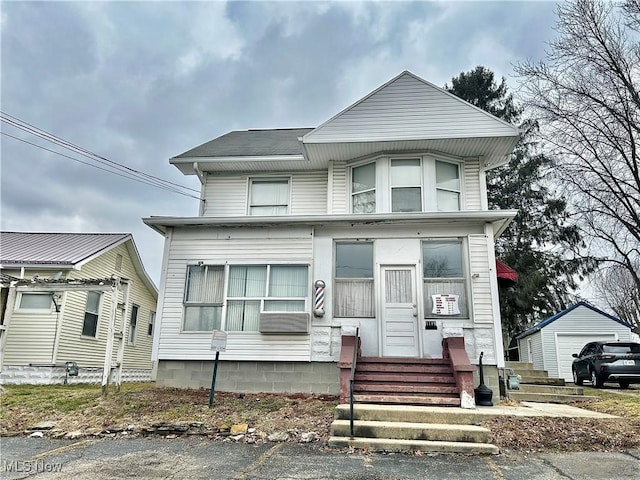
353, 292
444, 279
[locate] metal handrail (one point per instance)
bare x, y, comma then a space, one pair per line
352, 380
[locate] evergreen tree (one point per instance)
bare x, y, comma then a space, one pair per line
541, 243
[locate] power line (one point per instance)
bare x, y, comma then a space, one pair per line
125, 171
136, 179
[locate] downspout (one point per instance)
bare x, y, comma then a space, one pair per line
202, 176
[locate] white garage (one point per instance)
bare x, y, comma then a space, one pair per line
550, 343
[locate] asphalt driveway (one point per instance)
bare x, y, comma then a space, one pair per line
197, 458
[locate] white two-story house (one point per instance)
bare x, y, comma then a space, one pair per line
375, 220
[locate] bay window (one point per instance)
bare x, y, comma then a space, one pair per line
363, 188
406, 185
447, 186
444, 279
353, 292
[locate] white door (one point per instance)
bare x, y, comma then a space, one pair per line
570, 343
399, 312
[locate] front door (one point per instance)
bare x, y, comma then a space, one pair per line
399, 312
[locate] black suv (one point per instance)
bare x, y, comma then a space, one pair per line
602, 362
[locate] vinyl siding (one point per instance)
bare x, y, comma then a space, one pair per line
537, 354
408, 108
580, 320
226, 195
30, 338
339, 188
481, 284
472, 191
220, 246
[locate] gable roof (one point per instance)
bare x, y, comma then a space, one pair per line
538, 326
65, 250
248, 143
408, 107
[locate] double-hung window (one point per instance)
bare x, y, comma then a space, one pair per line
133, 324
363, 188
444, 279
269, 196
203, 298
447, 186
91, 315
406, 185
264, 288
353, 291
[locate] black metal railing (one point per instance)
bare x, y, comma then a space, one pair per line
356, 345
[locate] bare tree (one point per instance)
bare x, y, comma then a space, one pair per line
586, 96
616, 288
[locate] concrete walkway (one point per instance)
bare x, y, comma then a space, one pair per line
197, 458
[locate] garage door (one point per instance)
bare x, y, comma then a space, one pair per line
573, 343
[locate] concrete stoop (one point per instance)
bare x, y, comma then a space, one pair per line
394, 428
537, 386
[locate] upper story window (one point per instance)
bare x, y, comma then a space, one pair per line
363, 188
393, 184
406, 185
447, 186
269, 196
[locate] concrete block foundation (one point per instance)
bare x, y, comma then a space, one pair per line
251, 377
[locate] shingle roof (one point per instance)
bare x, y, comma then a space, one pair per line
249, 143
540, 325
27, 248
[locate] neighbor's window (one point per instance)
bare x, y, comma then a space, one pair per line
133, 324
447, 186
443, 274
363, 188
203, 298
91, 314
406, 185
267, 288
35, 301
152, 320
269, 196
353, 292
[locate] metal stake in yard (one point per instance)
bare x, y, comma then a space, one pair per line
218, 344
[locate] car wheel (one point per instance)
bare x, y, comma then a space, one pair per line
595, 380
624, 385
576, 380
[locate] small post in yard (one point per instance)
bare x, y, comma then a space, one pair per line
218, 344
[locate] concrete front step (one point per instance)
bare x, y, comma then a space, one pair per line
397, 445
532, 388
542, 380
519, 365
547, 397
407, 399
532, 373
411, 413
413, 431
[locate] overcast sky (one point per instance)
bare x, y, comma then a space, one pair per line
140, 82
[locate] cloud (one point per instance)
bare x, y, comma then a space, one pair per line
140, 82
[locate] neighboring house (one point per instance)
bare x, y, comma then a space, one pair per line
377, 218
549, 344
58, 292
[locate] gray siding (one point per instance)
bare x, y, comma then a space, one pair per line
409, 108
227, 195
220, 246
